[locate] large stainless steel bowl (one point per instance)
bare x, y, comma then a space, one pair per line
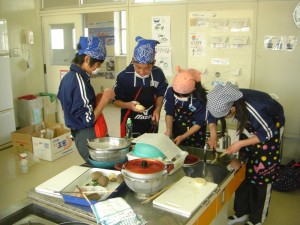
108, 149
145, 176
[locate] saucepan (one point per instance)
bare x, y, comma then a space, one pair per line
145, 176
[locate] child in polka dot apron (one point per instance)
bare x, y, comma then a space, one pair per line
260, 120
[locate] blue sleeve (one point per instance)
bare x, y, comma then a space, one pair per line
83, 110
263, 121
78, 101
120, 87
200, 113
211, 118
262, 113
169, 100
83, 104
162, 86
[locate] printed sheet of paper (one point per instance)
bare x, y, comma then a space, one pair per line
160, 141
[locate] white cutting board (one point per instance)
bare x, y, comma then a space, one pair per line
185, 196
54, 185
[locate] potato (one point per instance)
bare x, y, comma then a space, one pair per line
94, 196
199, 180
112, 177
95, 175
103, 181
120, 178
139, 107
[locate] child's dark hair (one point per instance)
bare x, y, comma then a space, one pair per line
79, 59
200, 92
241, 115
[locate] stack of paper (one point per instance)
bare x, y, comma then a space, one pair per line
116, 211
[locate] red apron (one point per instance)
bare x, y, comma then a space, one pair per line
100, 125
141, 121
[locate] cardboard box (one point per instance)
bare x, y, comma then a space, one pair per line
22, 138
54, 148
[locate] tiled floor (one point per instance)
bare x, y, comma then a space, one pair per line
284, 208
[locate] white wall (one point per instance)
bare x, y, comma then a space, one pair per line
278, 71
22, 15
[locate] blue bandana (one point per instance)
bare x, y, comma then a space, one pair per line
92, 46
144, 52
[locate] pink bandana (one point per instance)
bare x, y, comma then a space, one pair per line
184, 82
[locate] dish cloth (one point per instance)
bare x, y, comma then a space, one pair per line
116, 211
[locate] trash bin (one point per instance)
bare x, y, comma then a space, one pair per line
30, 110
50, 106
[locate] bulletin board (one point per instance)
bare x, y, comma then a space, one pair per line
220, 45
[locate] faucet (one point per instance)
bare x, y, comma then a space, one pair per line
205, 149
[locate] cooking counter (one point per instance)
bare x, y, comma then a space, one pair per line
206, 213
152, 215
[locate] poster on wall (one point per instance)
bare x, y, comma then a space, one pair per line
280, 43
197, 44
219, 43
162, 33
200, 19
105, 30
239, 24
161, 30
164, 60
107, 69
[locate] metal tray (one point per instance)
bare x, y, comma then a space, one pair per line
85, 179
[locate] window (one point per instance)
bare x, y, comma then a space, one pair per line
120, 33
57, 39
3, 38
154, 1
62, 43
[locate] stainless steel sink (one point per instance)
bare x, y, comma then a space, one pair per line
208, 155
27, 212
216, 172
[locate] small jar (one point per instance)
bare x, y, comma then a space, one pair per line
24, 162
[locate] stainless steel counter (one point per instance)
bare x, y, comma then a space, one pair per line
154, 216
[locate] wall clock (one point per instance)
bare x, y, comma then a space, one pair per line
296, 15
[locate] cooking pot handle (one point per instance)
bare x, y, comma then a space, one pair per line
170, 167
118, 166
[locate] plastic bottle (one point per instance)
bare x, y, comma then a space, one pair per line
129, 128
24, 162
43, 130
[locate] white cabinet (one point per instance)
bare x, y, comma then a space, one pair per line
7, 114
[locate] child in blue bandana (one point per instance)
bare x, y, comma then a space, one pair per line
77, 96
141, 83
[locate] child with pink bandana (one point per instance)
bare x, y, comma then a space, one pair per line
185, 106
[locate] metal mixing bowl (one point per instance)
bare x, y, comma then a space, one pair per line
108, 149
